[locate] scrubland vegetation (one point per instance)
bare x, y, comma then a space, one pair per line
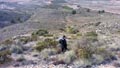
84, 49
91, 38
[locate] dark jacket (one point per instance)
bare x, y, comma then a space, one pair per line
63, 43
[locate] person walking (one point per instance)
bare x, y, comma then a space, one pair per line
63, 43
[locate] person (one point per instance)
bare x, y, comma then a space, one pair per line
63, 43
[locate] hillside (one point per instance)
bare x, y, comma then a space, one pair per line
107, 5
9, 17
32, 41
55, 19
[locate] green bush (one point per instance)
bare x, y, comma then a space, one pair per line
84, 53
40, 46
7, 42
40, 32
74, 12
62, 29
48, 35
4, 56
51, 42
101, 11
83, 49
91, 36
25, 39
48, 52
88, 10
71, 30
69, 56
5, 52
47, 43
79, 34
67, 8
98, 23
103, 52
34, 37
88, 51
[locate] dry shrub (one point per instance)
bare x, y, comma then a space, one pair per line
40, 32
34, 37
47, 53
7, 42
71, 30
91, 36
25, 39
84, 53
47, 43
4, 56
68, 57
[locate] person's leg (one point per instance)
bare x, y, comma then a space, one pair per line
65, 48
62, 48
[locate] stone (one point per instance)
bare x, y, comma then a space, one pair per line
16, 65
2, 48
29, 62
116, 64
36, 55
16, 49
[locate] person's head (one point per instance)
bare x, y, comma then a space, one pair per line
64, 37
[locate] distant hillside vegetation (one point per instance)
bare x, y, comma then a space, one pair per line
9, 17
